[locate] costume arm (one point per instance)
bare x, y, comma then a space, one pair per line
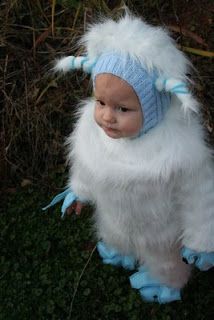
80, 182
78, 190
197, 202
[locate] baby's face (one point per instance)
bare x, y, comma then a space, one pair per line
117, 111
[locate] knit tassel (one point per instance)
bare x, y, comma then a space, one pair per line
180, 89
71, 63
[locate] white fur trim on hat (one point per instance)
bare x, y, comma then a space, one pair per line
149, 44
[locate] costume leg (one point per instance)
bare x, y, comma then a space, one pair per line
163, 275
113, 257
166, 265
151, 289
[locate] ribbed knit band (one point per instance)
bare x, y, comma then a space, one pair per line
154, 103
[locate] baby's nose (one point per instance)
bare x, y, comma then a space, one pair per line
109, 115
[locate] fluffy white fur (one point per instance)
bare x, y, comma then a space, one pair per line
155, 193
150, 45
152, 194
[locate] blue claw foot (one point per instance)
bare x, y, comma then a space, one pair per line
152, 290
202, 260
112, 256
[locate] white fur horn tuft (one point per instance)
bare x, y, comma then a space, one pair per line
181, 90
188, 102
71, 63
64, 64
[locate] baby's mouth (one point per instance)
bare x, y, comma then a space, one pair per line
108, 128
111, 132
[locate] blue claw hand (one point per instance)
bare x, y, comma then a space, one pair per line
68, 198
152, 290
112, 256
202, 260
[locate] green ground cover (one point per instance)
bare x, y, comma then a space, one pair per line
50, 270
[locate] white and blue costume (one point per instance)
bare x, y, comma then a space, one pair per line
154, 194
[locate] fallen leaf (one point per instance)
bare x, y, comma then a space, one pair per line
42, 37
25, 183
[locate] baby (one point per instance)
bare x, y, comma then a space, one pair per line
138, 154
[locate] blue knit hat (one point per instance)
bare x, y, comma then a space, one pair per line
154, 103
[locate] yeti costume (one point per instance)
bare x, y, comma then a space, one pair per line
154, 194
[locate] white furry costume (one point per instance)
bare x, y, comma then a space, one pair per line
155, 193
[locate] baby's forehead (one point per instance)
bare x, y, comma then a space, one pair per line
106, 77
115, 90
108, 81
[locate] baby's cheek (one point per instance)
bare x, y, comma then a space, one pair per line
135, 127
139, 123
96, 115
129, 129
135, 130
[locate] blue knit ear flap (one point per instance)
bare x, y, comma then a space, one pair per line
180, 89
71, 63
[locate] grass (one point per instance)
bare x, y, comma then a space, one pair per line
50, 270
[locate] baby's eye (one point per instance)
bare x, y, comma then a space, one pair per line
100, 102
123, 109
